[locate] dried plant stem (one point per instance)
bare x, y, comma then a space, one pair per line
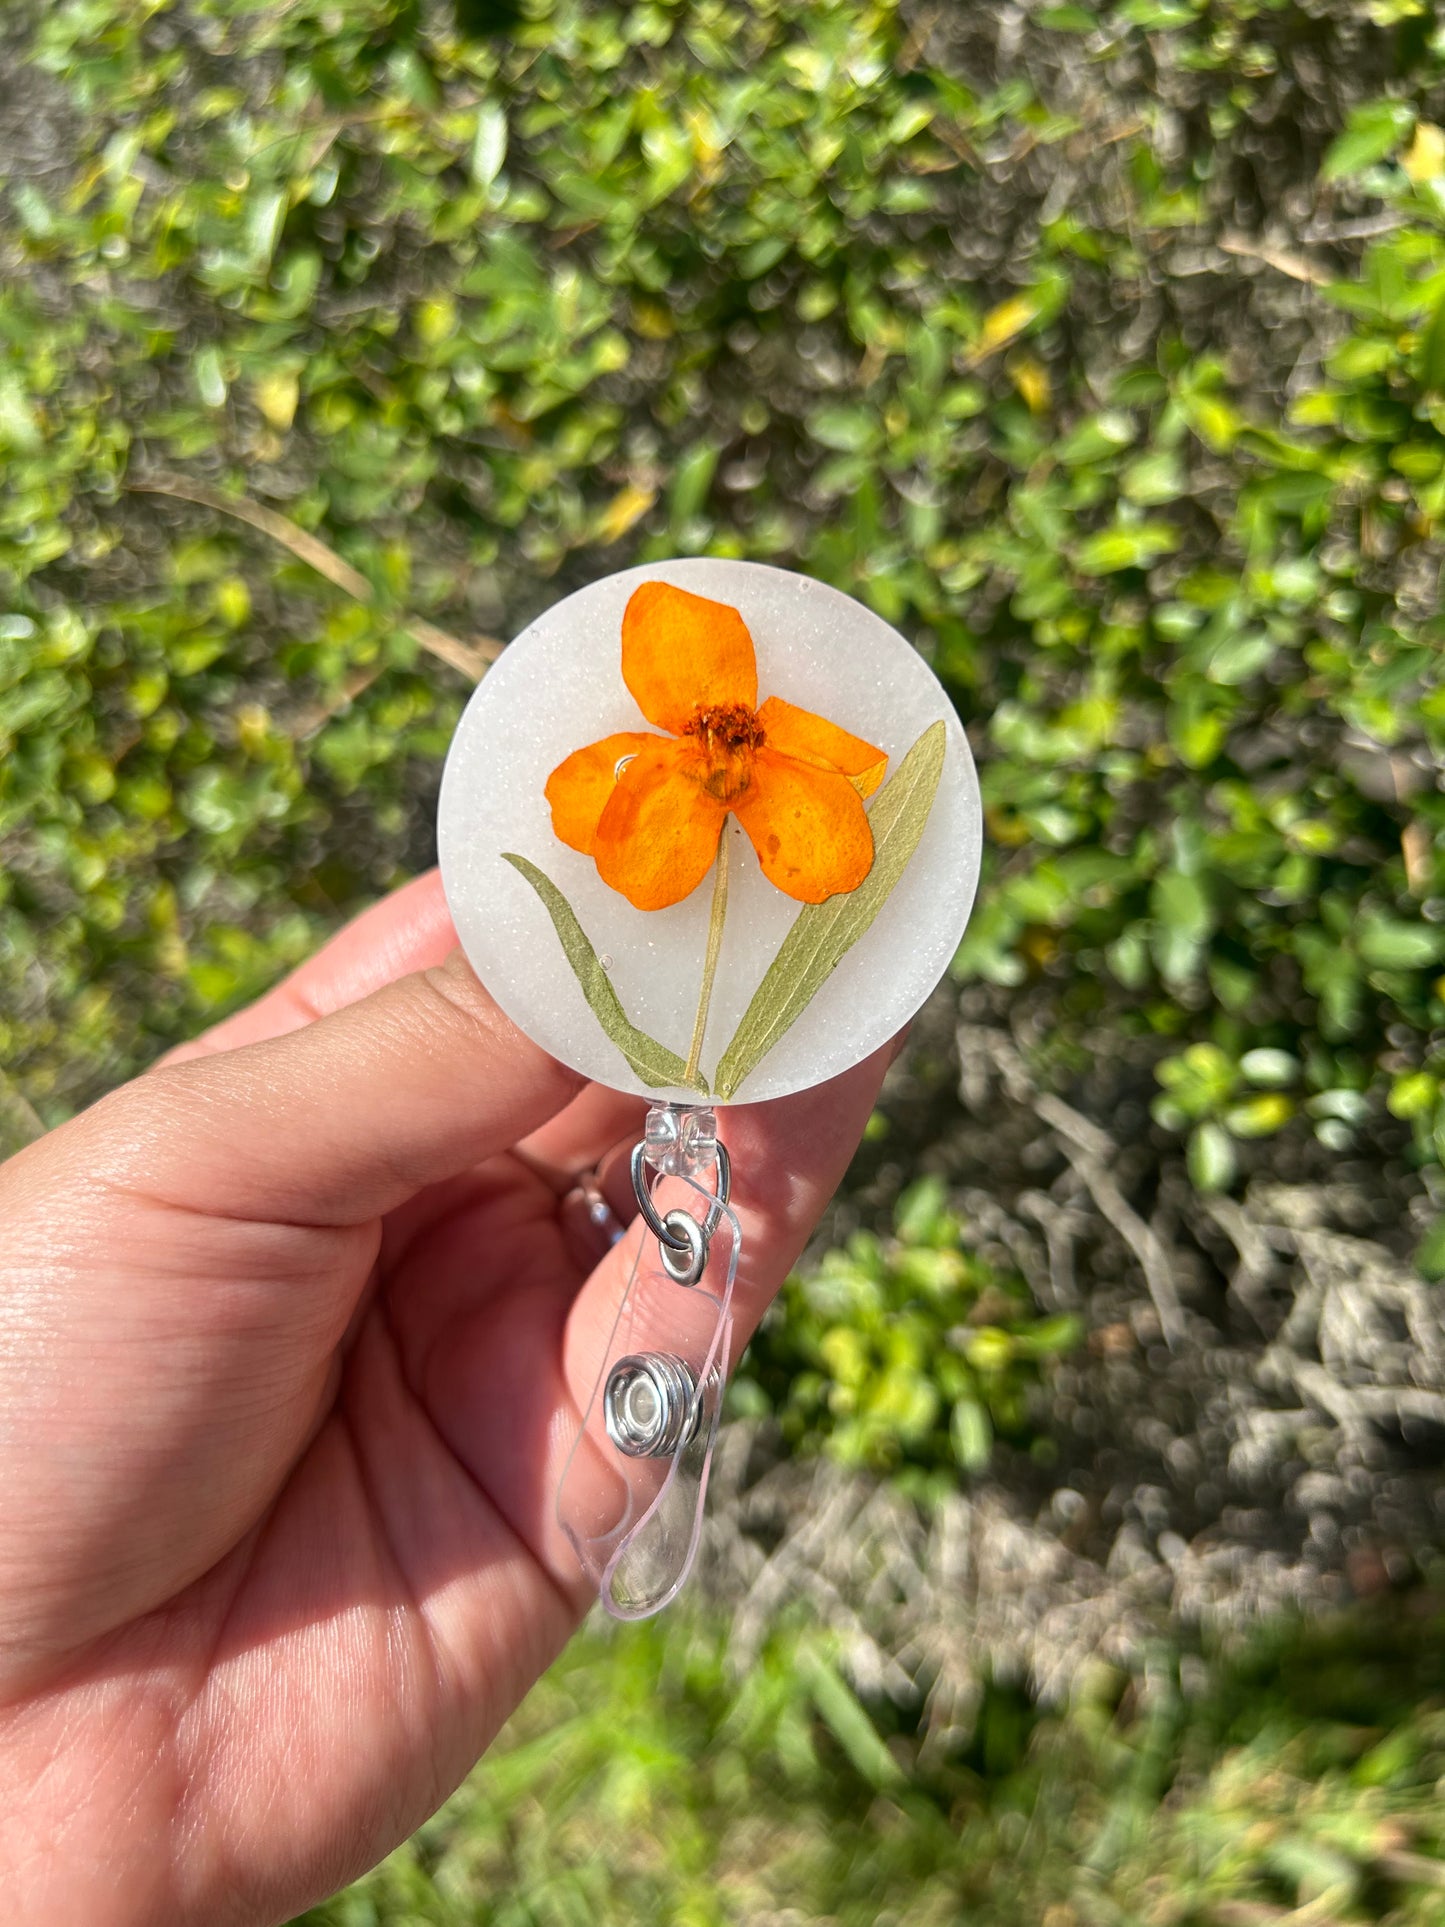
470, 658
714, 950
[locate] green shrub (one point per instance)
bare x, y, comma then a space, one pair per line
1003, 336
646, 1779
1102, 349
905, 1355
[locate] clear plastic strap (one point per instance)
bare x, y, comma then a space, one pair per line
631, 1494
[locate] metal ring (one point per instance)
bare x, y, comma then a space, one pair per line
724, 1182
687, 1266
672, 1240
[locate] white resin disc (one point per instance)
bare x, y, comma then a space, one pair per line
558, 687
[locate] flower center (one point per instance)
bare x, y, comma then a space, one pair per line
727, 735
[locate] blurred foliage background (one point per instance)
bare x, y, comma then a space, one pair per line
1101, 348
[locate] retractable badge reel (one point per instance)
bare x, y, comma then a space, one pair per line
709, 832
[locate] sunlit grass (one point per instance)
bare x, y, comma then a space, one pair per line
644, 1781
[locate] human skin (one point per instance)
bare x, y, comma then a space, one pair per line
284, 1403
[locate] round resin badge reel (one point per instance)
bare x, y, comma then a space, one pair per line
709, 832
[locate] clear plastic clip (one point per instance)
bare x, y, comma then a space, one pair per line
632, 1491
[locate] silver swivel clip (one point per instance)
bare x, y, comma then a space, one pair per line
631, 1494
682, 1239
650, 1403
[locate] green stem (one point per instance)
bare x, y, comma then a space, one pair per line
714, 951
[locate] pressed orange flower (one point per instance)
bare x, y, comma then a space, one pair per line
650, 809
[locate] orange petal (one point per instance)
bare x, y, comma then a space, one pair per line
659, 832
680, 651
808, 826
813, 739
580, 788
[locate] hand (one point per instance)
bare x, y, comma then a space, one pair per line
283, 1411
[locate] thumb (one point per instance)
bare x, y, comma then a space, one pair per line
342, 1120
179, 1264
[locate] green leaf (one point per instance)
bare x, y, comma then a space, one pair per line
971, 1435
1210, 1157
1344, 1106
1236, 657
1372, 131
1183, 919
849, 430
1095, 438
1430, 1253
1389, 945
1157, 15
916, 1214
1156, 477
654, 1063
844, 1716
1266, 1066
265, 217
1413, 1095
1432, 352
489, 145
19, 430
691, 481
1129, 545
1259, 1116
823, 933
210, 378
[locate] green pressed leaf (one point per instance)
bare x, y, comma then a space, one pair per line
823, 933
654, 1063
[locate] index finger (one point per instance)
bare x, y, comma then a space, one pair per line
407, 931
411, 930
